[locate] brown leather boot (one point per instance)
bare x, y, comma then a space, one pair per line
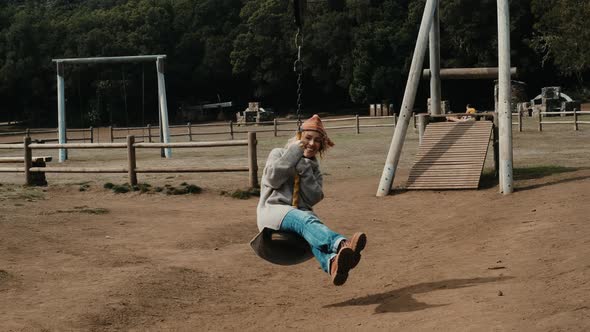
357, 243
340, 265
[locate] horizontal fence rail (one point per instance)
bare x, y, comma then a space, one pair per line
575, 119
152, 132
132, 169
191, 131
37, 132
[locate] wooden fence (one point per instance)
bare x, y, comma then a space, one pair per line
29, 132
541, 119
191, 131
132, 169
575, 119
232, 128
151, 133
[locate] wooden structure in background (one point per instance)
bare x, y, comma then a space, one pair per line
451, 155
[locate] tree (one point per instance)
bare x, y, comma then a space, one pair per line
262, 48
562, 35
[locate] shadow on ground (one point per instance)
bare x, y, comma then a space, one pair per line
537, 172
489, 179
402, 300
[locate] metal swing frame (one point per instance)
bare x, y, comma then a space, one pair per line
162, 101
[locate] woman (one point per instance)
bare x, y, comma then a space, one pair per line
336, 254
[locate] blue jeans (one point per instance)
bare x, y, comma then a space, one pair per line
322, 240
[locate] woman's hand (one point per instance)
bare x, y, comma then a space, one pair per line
299, 143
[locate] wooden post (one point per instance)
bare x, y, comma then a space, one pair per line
28, 161
394, 119
275, 126
231, 129
149, 128
190, 134
131, 160
91, 134
252, 160
395, 148
111, 131
540, 121
519, 120
414, 119
28, 132
504, 99
358, 125
575, 119
434, 57
423, 120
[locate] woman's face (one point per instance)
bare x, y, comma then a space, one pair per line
312, 143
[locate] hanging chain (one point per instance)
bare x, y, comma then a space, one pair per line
298, 68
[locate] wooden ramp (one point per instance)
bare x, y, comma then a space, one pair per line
451, 155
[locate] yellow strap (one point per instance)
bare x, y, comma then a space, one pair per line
295, 202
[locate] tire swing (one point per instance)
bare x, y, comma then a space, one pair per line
279, 247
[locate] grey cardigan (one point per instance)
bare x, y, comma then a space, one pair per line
276, 191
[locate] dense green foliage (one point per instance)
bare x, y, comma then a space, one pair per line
354, 52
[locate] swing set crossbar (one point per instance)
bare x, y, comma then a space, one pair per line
112, 59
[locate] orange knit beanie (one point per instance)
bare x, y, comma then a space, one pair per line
315, 124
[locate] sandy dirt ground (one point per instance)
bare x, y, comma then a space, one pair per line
469, 260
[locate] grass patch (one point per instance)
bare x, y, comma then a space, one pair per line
193, 189
21, 193
144, 187
121, 189
4, 276
184, 189
94, 211
84, 209
242, 194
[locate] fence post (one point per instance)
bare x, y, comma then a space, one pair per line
231, 129
91, 134
575, 119
414, 118
190, 133
28, 132
28, 161
111, 131
358, 126
519, 120
131, 160
252, 160
149, 128
394, 119
275, 126
540, 121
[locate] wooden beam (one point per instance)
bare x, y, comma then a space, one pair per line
468, 73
